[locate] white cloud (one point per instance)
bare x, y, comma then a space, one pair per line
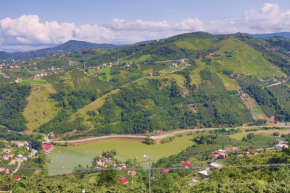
267, 20
27, 32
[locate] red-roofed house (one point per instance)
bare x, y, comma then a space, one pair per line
132, 173
150, 74
123, 180
217, 152
228, 148
186, 164
47, 147
17, 177
72, 175
4, 170
165, 170
240, 155
215, 155
7, 156
249, 155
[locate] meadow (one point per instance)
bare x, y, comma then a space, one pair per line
64, 159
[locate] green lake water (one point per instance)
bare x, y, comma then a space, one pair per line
64, 159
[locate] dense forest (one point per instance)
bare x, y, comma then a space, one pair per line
12, 104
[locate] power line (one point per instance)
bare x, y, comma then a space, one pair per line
170, 168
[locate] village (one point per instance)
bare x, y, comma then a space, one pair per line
19, 153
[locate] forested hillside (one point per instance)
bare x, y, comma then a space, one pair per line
187, 81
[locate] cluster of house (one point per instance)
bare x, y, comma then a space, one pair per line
175, 63
41, 75
264, 80
223, 153
207, 54
8, 156
3, 66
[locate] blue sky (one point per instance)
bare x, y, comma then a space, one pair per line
32, 24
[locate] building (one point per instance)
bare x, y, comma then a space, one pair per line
123, 180
215, 156
165, 170
192, 182
6, 151
150, 74
186, 164
4, 170
204, 173
249, 154
47, 147
280, 147
223, 155
215, 166
12, 163
132, 173
17, 177
7, 156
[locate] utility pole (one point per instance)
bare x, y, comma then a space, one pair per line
149, 170
149, 167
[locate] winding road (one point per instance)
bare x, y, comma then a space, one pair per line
153, 136
18, 166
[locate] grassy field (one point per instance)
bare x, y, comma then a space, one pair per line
40, 109
69, 157
195, 74
238, 136
241, 58
230, 84
107, 72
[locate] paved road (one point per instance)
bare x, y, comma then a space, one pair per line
155, 137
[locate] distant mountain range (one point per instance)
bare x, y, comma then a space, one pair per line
269, 35
70, 46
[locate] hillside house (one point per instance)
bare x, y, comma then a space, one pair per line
18, 80
7, 156
47, 147
12, 163
215, 156
204, 173
223, 156
186, 164
192, 182
150, 74
123, 180
4, 170
17, 178
6, 151
249, 154
279, 147
215, 166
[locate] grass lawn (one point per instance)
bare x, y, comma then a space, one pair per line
40, 109
70, 157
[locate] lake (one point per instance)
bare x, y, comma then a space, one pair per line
64, 159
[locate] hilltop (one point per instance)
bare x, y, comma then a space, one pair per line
191, 80
70, 46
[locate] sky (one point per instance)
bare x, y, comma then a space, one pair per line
33, 24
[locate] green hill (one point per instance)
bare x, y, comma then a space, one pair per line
185, 81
